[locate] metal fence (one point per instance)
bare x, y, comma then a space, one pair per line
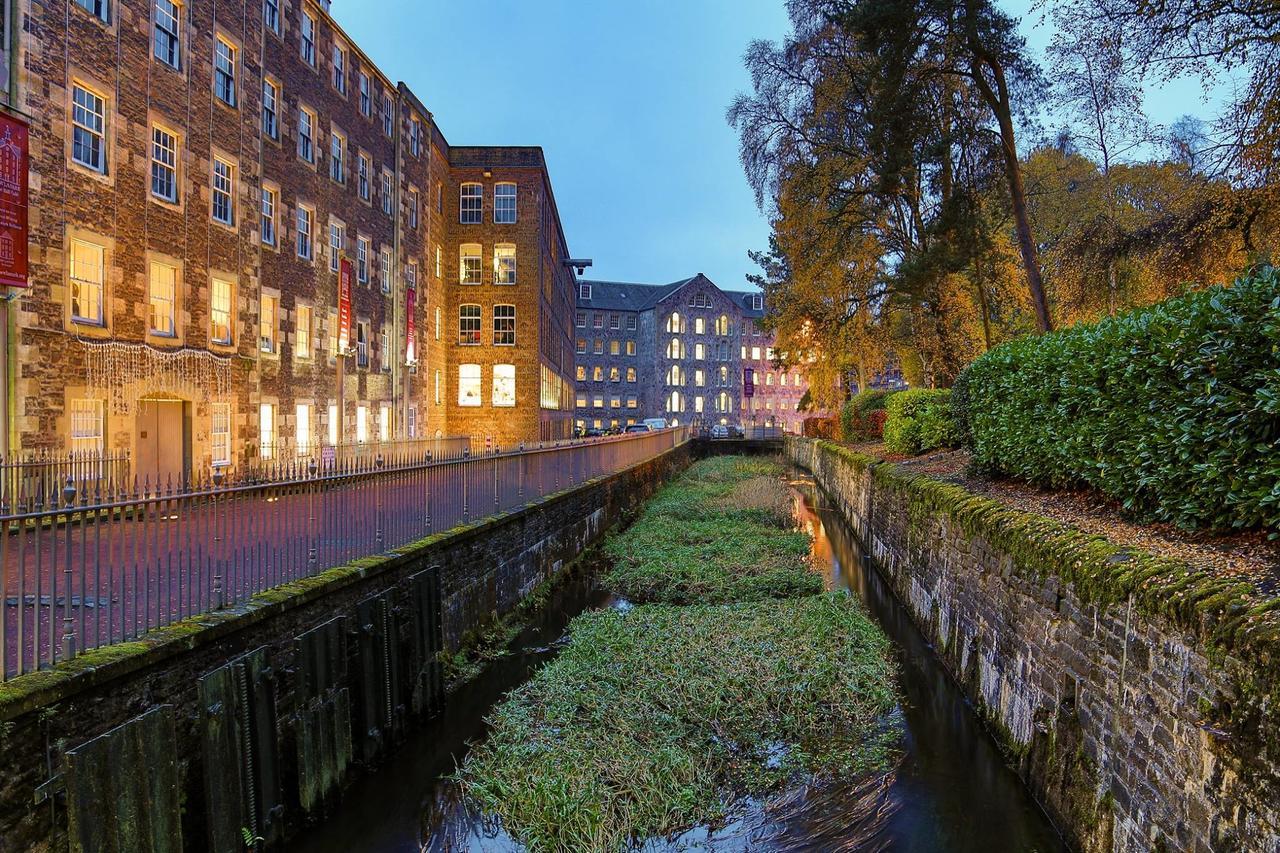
41, 473
88, 564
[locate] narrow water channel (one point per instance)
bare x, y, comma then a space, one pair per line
951, 791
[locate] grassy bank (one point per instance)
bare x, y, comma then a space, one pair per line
659, 718
722, 532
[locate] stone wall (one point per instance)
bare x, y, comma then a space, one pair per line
1134, 695
333, 676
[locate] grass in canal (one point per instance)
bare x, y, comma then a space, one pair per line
722, 532
660, 718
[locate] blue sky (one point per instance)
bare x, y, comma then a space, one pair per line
628, 101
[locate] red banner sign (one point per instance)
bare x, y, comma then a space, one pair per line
346, 272
748, 382
410, 335
13, 202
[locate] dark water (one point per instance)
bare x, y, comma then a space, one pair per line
950, 792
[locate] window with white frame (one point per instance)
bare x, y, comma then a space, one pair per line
362, 344
411, 421
220, 301
337, 241
162, 297
307, 46
504, 203
415, 137
167, 46
504, 263
410, 276
164, 165
469, 325
388, 114
224, 208
757, 304
333, 425
580, 319
363, 169
87, 273
504, 385
437, 396
337, 157
388, 198
469, 263
504, 325
88, 134
266, 430
384, 270
270, 108
366, 95
302, 332
268, 308
100, 9
86, 426
362, 259
267, 215
584, 291
471, 203
224, 71
384, 349
384, 423
306, 219
302, 428
469, 385
271, 15
413, 207
439, 262
339, 68
306, 134
220, 434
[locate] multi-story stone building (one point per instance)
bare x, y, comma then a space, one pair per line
199, 174
683, 352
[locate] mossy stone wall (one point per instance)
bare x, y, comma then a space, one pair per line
1136, 696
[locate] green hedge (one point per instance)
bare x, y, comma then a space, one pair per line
919, 420
1173, 410
857, 422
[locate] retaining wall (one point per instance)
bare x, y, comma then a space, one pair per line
253, 719
1135, 695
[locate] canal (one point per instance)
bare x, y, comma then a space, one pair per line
951, 791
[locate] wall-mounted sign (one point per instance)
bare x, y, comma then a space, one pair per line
13, 202
346, 271
410, 336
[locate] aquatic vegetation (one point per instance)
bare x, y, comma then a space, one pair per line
659, 718
721, 532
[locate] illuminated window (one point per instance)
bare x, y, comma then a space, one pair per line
220, 292
469, 263
302, 428
86, 426
87, 272
302, 332
504, 263
362, 424
384, 423
699, 326
631, 374
266, 430
267, 309
504, 385
220, 433
469, 385
163, 299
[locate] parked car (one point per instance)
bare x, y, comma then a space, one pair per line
719, 431
594, 432
655, 423
639, 428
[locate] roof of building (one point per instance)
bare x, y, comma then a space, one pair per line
632, 296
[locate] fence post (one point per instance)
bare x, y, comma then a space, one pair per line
217, 538
68, 622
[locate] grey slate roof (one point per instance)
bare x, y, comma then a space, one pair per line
627, 296
631, 296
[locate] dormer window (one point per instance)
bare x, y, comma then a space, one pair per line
757, 303
584, 291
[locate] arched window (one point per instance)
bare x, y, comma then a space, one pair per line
724, 376
675, 403
674, 324
675, 349
724, 403
722, 326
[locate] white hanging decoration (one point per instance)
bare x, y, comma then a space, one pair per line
116, 367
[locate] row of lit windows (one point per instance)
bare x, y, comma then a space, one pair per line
471, 203
598, 373
678, 402
616, 347
677, 350
615, 401
470, 321
471, 263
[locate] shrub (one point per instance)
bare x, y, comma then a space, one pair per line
960, 409
1173, 409
918, 420
857, 418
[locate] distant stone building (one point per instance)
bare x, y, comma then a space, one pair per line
197, 172
680, 351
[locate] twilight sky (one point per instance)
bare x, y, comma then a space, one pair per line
627, 99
